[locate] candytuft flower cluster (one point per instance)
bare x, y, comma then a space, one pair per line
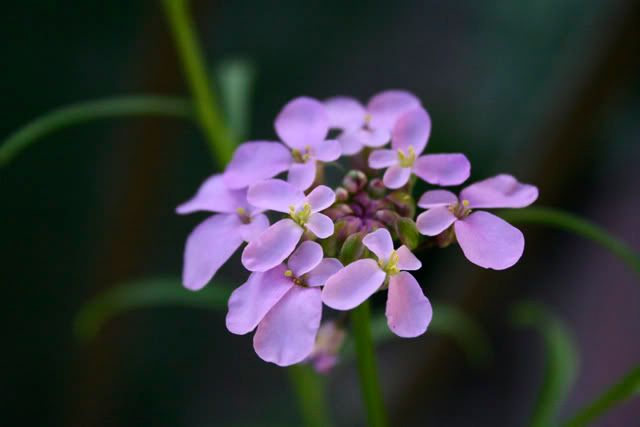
339, 246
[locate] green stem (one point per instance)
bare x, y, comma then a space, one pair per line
218, 135
626, 388
370, 387
88, 111
309, 388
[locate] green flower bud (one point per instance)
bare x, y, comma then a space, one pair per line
354, 181
352, 249
408, 233
404, 203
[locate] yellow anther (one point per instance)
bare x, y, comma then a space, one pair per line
391, 266
407, 160
288, 273
300, 216
241, 211
465, 203
367, 118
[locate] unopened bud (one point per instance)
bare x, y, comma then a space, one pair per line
404, 203
377, 190
408, 233
331, 244
342, 195
352, 249
387, 217
354, 181
338, 211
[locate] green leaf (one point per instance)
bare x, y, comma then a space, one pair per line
561, 361
626, 388
235, 79
60, 118
568, 222
145, 293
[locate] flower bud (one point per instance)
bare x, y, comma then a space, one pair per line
342, 195
354, 181
352, 249
338, 211
376, 188
331, 244
404, 203
408, 232
387, 217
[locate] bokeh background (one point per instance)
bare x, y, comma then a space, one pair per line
548, 90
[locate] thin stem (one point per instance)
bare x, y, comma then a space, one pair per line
370, 387
217, 134
310, 390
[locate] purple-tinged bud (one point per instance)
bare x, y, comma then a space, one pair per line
338, 211
369, 225
408, 233
328, 343
377, 190
387, 217
404, 203
351, 226
354, 181
342, 195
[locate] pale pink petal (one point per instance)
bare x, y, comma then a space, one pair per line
443, 169
254, 161
434, 198
252, 301
407, 260
275, 194
345, 113
328, 150
321, 198
380, 159
489, 241
273, 246
352, 285
408, 311
375, 137
319, 275
351, 142
435, 220
302, 122
387, 106
396, 176
287, 333
253, 229
305, 258
214, 196
302, 175
320, 225
501, 191
380, 243
208, 247
412, 129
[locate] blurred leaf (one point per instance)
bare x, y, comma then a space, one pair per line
60, 118
235, 78
448, 321
627, 388
561, 361
310, 389
577, 225
145, 293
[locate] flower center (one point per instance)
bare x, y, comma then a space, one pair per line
301, 156
294, 279
407, 160
243, 215
300, 216
460, 210
391, 266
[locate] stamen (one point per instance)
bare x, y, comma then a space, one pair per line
391, 266
407, 160
301, 217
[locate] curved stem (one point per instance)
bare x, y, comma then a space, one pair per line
88, 111
369, 385
310, 390
218, 135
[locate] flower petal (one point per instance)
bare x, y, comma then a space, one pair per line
254, 161
328, 150
375, 137
408, 311
250, 231
250, 302
305, 258
407, 260
287, 333
302, 175
396, 176
352, 285
344, 113
208, 247
380, 159
302, 122
214, 196
275, 194
489, 241
351, 142
443, 169
387, 106
434, 198
380, 243
320, 225
412, 129
273, 246
319, 275
501, 191
435, 220
321, 198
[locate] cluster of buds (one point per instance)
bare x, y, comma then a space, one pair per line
338, 247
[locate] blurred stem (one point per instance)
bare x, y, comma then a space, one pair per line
217, 134
310, 390
369, 384
626, 388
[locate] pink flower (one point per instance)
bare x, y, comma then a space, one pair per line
328, 343
369, 127
485, 239
409, 139
277, 242
302, 125
213, 242
284, 304
408, 310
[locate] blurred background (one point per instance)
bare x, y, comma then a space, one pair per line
546, 90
